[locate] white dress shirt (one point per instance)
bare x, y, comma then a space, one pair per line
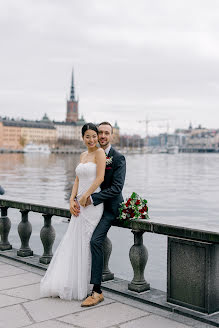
107, 150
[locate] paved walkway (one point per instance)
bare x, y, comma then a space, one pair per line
21, 306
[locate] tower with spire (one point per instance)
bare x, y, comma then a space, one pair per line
72, 104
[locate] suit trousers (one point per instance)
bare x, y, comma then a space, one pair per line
96, 245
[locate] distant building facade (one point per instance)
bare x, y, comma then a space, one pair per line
16, 134
65, 130
10, 135
116, 134
203, 139
78, 128
69, 130
191, 139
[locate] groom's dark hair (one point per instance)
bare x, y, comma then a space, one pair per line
106, 123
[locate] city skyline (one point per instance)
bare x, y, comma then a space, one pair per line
131, 61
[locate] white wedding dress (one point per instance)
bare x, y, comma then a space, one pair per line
68, 274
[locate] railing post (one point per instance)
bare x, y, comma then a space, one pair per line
138, 256
5, 226
24, 231
47, 236
107, 250
193, 274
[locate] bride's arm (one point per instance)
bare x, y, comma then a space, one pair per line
74, 206
74, 189
101, 164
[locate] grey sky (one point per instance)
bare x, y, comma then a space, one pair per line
131, 59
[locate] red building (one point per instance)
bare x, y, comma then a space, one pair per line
72, 104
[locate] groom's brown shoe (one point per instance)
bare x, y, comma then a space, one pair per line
92, 300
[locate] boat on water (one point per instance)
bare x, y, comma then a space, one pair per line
34, 148
172, 149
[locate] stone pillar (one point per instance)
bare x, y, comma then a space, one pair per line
193, 274
138, 256
5, 226
47, 236
24, 231
107, 250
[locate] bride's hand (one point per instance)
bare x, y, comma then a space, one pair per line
83, 200
74, 207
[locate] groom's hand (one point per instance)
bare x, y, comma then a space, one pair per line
88, 202
74, 207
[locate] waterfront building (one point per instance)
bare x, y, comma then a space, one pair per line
116, 134
154, 141
69, 131
78, 127
203, 139
65, 131
72, 104
16, 134
216, 140
38, 132
10, 135
131, 141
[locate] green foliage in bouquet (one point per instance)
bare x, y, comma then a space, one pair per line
135, 207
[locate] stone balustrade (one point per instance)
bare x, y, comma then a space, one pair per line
193, 255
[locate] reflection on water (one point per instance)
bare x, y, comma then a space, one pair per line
44, 178
181, 189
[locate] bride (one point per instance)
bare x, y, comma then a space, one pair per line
68, 275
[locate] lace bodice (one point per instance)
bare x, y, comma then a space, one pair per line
86, 173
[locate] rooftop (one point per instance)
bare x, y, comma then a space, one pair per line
28, 124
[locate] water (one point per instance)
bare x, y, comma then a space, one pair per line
181, 190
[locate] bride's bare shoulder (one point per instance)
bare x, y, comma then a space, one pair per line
100, 151
83, 155
100, 156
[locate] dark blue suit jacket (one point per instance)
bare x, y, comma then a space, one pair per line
111, 188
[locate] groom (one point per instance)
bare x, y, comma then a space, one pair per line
111, 196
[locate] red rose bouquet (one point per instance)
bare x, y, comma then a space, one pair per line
135, 207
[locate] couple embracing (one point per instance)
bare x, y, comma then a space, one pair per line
77, 264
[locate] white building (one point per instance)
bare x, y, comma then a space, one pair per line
69, 130
78, 128
65, 130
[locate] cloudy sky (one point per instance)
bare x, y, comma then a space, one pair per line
132, 60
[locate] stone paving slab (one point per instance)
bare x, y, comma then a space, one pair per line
153, 321
19, 280
50, 308
30, 292
9, 270
50, 324
154, 310
6, 300
13, 317
29, 268
10, 261
104, 316
21, 306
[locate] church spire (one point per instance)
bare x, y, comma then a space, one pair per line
72, 103
72, 91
